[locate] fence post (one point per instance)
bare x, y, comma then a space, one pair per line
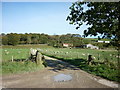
38, 58
90, 59
12, 59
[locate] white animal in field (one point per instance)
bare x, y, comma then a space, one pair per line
7, 53
94, 57
117, 56
66, 52
83, 54
55, 52
19, 52
110, 54
5, 50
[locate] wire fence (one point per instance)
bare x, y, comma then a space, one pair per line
99, 56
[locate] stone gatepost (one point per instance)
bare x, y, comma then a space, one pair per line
90, 59
38, 58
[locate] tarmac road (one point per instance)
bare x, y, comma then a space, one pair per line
44, 78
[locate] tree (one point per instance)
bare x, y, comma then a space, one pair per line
13, 39
4, 40
101, 17
23, 38
28, 39
43, 39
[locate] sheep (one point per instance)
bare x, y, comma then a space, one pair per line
83, 54
5, 50
117, 56
55, 52
94, 57
7, 53
66, 52
110, 54
19, 52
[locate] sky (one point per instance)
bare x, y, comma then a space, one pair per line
37, 17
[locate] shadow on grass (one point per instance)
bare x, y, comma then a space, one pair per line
20, 60
99, 69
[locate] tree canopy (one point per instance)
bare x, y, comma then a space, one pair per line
101, 17
35, 38
12, 39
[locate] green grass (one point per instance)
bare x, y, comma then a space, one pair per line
18, 52
21, 62
105, 63
8, 53
20, 67
100, 55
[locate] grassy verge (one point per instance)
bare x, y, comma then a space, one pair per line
20, 55
19, 67
105, 66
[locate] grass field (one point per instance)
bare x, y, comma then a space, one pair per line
20, 54
105, 63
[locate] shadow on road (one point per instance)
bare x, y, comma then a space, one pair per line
58, 65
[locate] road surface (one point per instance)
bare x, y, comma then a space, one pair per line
44, 78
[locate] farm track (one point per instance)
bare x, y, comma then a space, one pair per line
44, 78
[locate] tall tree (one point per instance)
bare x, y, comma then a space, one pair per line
4, 40
101, 17
13, 39
23, 38
28, 39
